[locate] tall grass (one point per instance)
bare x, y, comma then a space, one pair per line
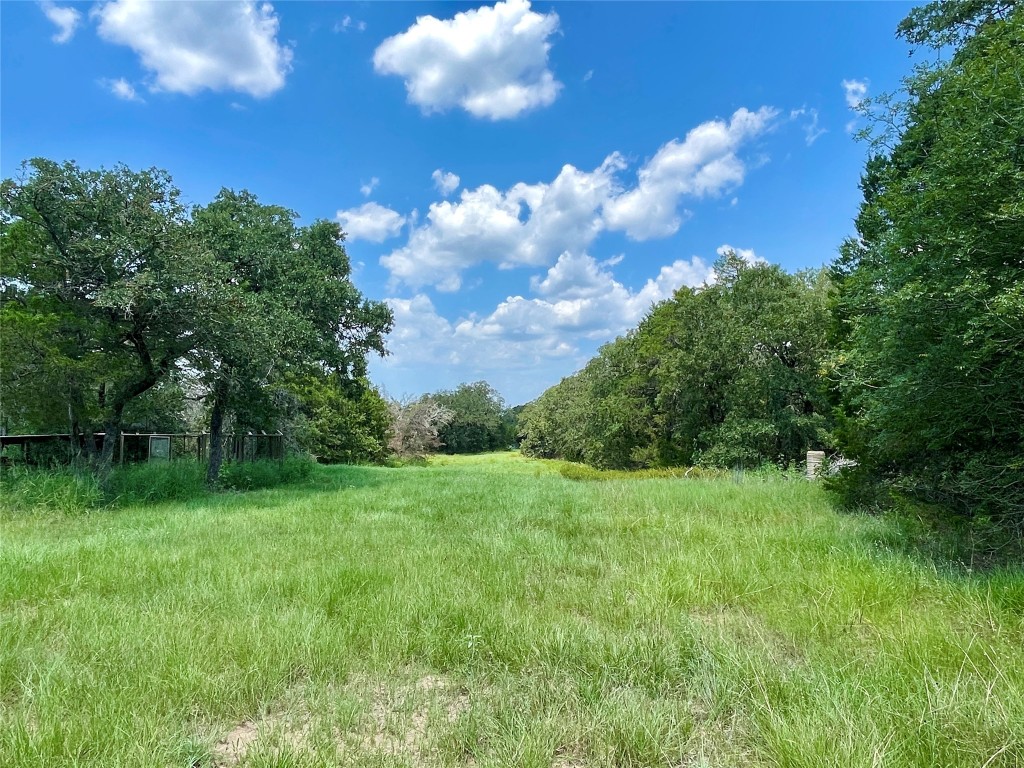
487, 611
72, 490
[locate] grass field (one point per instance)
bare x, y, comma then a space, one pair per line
490, 612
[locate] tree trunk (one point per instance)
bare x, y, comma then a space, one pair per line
220, 396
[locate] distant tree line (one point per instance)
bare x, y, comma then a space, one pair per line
905, 356
472, 418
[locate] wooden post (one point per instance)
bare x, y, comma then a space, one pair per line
814, 461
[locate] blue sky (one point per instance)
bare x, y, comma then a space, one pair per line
520, 182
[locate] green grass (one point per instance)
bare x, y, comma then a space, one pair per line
77, 490
487, 611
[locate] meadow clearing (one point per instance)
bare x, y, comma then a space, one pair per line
487, 611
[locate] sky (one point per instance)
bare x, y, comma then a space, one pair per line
520, 182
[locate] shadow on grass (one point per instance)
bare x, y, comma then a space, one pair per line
954, 546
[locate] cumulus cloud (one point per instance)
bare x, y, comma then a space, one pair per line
533, 224
445, 181
122, 89
490, 61
66, 18
528, 224
192, 46
704, 163
367, 188
856, 91
371, 221
578, 304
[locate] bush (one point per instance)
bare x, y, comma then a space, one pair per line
250, 475
72, 490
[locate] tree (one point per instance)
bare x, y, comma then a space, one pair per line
112, 292
477, 423
101, 290
930, 304
415, 426
724, 375
290, 305
338, 420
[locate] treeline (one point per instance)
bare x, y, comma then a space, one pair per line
727, 375
905, 356
124, 308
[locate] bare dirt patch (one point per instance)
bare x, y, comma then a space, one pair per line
398, 719
401, 719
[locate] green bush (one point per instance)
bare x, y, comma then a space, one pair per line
72, 490
250, 475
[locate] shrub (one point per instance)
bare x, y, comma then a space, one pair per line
250, 475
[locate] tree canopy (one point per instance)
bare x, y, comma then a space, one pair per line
113, 291
929, 310
724, 375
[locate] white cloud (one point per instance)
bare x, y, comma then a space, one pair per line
528, 224
704, 163
445, 181
856, 91
533, 224
371, 221
65, 17
578, 305
367, 189
588, 76
122, 89
812, 131
192, 46
490, 61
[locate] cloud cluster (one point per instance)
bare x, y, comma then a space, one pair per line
533, 224
65, 17
704, 163
490, 61
193, 46
371, 221
528, 224
577, 304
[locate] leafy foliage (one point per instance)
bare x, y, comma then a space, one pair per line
101, 293
930, 302
725, 375
479, 420
338, 421
118, 304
